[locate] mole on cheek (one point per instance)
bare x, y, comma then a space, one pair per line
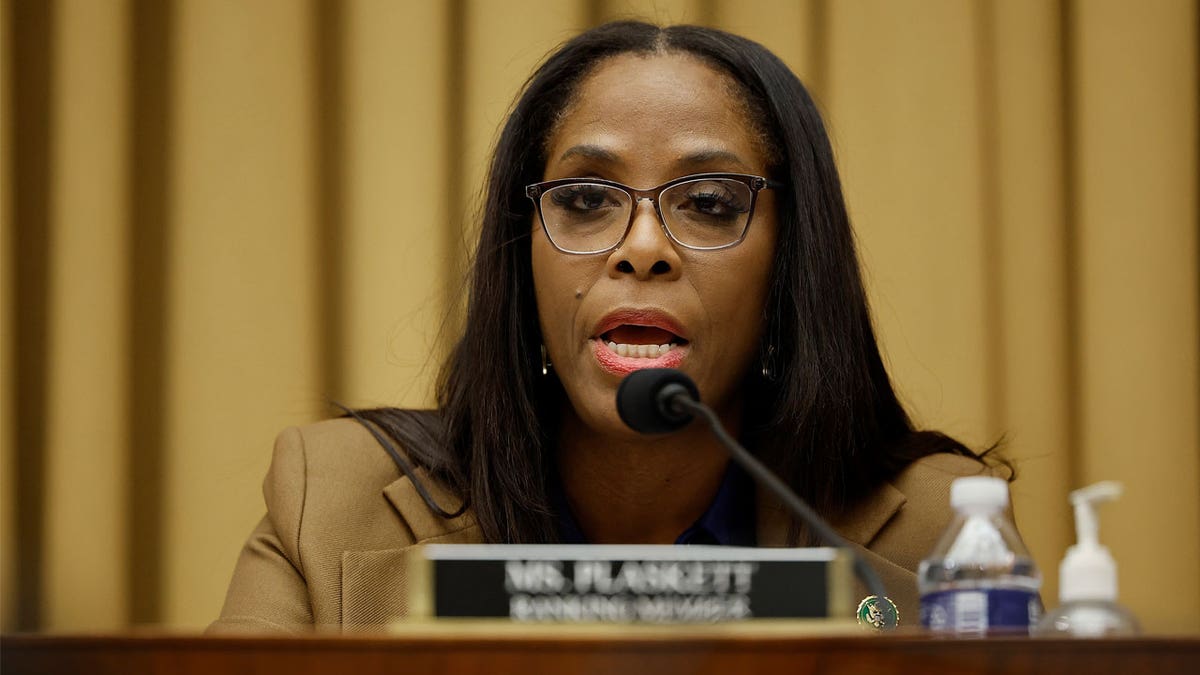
578, 294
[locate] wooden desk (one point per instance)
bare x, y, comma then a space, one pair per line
621, 651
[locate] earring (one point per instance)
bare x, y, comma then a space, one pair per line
768, 364
546, 365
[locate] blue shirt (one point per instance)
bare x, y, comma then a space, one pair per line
728, 521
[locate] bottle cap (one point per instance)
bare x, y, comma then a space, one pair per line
979, 492
1088, 571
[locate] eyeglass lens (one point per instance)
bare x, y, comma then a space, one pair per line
705, 213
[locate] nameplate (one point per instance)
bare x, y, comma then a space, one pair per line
628, 584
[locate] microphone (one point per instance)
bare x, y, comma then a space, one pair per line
662, 400
647, 400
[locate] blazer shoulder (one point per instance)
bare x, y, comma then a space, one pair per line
926, 512
349, 478
325, 498
313, 462
341, 437
926, 482
339, 450
932, 475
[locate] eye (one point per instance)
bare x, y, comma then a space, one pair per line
713, 200
584, 197
711, 203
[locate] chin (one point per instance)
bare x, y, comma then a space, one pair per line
595, 410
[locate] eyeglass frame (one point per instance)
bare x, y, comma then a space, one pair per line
654, 194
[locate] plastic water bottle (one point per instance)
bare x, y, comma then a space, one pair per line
979, 579
1087, 578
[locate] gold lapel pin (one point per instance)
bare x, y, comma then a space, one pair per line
878, 613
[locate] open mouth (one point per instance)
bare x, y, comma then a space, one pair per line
644, 342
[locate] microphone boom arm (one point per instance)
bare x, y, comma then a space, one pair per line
675, 396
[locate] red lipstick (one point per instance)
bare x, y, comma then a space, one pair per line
631, 339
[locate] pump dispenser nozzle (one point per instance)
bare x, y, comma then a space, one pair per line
1087, 526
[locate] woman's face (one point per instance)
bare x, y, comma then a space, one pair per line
643, 121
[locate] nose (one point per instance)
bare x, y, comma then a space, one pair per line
647, 252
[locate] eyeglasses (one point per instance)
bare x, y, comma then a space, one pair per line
704, 211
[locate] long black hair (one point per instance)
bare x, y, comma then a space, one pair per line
827, 420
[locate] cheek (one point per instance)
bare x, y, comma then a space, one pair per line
557, 289
543, 281
760, 265
740, 291
737, 306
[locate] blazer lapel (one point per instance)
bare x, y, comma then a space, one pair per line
424, 523
376, 584
859, 524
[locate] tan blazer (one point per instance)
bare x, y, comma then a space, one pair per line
330, 552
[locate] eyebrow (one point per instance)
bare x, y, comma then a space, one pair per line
590, 152
711, 155
599, 153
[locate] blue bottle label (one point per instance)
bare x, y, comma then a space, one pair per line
988, 611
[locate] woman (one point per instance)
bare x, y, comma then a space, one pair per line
658, 197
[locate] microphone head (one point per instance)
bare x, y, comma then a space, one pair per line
645, 396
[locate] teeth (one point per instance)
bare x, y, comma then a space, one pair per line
639, 351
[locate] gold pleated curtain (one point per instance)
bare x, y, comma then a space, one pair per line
221, 215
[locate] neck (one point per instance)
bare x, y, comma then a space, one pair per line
639, 490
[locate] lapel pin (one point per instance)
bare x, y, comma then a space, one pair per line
878, 613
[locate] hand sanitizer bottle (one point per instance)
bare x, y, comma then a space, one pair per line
1087, 578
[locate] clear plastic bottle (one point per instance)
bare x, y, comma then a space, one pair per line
1088, 619
979, 579
1087, 578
